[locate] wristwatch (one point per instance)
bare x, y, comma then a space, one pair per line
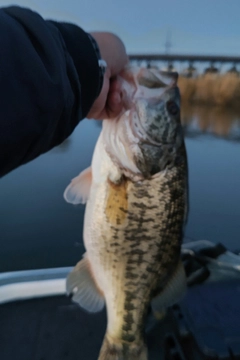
101, 63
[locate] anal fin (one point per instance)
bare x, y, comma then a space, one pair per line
173, 291
81, 284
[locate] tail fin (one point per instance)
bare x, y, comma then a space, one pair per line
112, 350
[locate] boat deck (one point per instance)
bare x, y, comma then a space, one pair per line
38, 322
54, 328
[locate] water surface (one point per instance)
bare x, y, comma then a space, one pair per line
39, 230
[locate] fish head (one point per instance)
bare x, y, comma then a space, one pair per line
145, 137
156, 119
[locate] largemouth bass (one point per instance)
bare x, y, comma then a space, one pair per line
136, 203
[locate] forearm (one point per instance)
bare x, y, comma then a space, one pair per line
49, 80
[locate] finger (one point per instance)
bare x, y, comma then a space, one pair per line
114, 104
115, 84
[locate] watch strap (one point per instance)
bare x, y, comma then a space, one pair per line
101, 63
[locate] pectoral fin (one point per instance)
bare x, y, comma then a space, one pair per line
172, 292
78, 190
81, 283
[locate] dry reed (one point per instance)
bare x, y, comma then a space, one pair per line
211, 89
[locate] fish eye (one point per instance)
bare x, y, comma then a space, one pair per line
172, 108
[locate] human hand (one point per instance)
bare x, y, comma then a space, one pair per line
109, 102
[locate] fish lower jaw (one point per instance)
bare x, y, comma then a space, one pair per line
140, 133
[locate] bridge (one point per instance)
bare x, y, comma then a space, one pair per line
186, 58
190, 59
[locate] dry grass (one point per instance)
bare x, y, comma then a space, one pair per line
211, 89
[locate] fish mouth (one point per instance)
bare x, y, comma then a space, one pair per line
152, 87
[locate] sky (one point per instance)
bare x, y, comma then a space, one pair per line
196, 27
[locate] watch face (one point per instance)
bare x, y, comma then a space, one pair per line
103, 65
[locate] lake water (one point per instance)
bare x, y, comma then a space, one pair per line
39, 230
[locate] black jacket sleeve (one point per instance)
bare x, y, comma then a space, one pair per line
49, 78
